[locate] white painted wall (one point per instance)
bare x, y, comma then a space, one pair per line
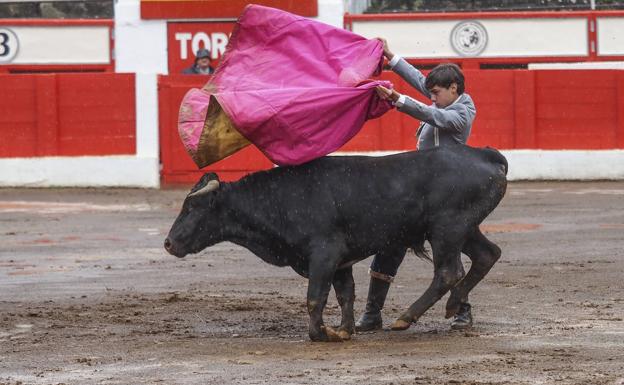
331, 12
505, 37
356, 6
140, 45
553, 165
83, 171
146, 95
61, 45
595, 65
565, 164
140, 170
610, 34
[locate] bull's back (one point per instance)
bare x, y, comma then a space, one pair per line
469, 179
346, 180
361, 189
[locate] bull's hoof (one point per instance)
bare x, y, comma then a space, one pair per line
331, 334
344, 335
400, 324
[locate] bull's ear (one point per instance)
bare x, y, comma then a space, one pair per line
208, 182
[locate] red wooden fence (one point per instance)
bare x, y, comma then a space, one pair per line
553, 109
67, 115
218, 9
516, 109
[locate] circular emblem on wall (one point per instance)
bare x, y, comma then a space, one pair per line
469, 38
8, 45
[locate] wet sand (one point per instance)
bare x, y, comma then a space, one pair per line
89, 296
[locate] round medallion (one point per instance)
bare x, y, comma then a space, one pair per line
469, 38
8, 45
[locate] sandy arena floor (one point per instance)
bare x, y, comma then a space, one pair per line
89, 296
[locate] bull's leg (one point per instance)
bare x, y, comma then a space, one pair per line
483, 253
345, 293
319, 283
448, 271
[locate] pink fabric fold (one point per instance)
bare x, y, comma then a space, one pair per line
191, 118
296, 88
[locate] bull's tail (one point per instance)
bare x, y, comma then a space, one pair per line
493, 155
420, 251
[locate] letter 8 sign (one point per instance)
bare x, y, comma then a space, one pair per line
8, 45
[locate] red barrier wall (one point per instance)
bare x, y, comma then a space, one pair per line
571, 109
516, 109
67, 115
218, 9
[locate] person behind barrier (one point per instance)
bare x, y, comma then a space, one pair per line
446, 122
202, 65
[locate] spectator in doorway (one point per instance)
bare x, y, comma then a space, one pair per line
202, 65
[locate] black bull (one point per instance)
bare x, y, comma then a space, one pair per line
323, 216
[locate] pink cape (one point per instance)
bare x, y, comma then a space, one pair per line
296, 88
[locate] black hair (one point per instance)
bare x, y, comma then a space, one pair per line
443, 75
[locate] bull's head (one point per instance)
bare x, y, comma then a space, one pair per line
196, 227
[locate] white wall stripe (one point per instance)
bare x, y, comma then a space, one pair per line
553, 164
81, 171
146, 115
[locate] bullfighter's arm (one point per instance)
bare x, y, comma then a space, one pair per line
455, 118
410, 74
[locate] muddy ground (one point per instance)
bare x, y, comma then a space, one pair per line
89, 296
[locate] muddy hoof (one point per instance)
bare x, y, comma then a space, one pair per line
344, 335
332, 335
400, 325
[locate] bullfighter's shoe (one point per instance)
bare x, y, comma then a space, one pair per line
371, 319
463, 318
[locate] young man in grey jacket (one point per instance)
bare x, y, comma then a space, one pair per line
446, 122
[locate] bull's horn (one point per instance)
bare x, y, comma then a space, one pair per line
210, 186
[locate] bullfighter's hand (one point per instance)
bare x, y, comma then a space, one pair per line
387, 94
386, 50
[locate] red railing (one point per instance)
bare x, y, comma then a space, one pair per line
67, 114
519, 109
516, 109
94, 114
218, 9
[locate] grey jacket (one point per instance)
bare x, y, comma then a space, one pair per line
440, 126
